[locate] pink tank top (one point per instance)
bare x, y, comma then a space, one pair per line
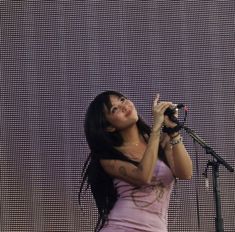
144, 208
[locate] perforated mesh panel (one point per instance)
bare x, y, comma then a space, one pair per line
57, 55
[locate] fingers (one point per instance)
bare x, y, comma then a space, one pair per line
156, 100
166, 105
162, 106
159, 107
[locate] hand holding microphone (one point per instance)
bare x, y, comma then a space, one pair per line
172, 113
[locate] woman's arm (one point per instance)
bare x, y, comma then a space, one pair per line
142, 173
178, 157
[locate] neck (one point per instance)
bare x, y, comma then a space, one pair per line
131, 136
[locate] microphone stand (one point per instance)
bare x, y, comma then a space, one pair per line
215, 162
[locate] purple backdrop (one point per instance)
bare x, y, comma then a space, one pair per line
57, 55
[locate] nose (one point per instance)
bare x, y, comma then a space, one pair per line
123, 108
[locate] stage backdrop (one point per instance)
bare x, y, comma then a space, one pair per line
57, 55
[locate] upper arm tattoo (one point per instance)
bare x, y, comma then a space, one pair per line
122, 171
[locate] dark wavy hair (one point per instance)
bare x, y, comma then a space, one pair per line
102, 146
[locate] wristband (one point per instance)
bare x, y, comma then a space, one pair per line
172, 137
169, 130
176, 141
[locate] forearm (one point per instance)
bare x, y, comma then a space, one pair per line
181, 158
148, 162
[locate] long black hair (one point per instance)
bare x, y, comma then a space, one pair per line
102, 146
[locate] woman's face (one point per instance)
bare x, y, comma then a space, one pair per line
122, 113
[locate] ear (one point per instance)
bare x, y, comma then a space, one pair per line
110, 129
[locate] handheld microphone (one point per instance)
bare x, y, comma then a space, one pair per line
170, 111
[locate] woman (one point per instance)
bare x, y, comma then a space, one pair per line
132, 168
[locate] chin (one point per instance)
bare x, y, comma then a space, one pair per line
135, 118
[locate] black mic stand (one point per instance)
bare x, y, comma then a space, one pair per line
215, 162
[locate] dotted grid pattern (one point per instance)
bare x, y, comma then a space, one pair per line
56, 56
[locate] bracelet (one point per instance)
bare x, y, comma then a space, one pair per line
176, 141
172, 137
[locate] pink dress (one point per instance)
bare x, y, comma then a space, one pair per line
142, 209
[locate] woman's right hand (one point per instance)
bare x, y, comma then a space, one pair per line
158, 112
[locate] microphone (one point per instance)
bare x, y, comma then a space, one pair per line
170, 111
